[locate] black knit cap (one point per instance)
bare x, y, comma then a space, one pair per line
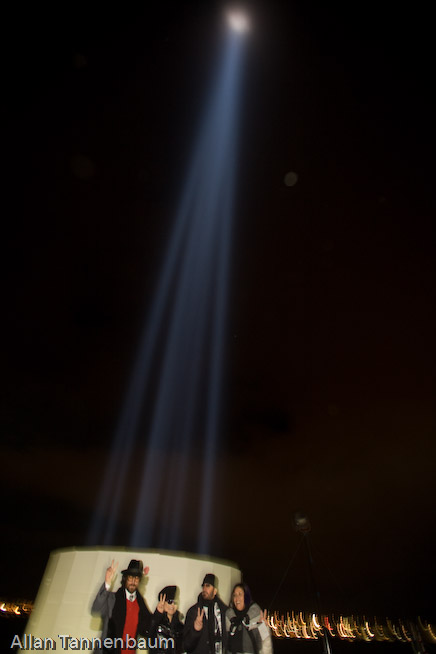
210, 579
169, 592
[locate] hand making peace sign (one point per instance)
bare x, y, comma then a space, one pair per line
110, 572
161, 604
198, 622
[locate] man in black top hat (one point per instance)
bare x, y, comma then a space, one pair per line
205, 624
124, 613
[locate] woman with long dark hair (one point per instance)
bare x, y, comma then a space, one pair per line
246, 626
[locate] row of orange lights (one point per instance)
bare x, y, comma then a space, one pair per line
309, 626
18, 608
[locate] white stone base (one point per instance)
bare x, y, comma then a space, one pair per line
74, 575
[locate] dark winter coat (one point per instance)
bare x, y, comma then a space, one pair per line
199, 642
112, 608
162, 627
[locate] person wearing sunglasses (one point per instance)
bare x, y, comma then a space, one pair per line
166, 623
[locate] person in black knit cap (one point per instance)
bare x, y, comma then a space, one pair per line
205, 624
167, 622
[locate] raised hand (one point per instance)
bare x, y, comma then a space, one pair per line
160, 606
110, 572
263, 617
198, 622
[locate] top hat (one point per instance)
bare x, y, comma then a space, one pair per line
134, 569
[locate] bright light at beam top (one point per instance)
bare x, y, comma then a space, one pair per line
238, 21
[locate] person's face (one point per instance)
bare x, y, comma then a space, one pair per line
132, 583
170, 608
238, 598
208, 592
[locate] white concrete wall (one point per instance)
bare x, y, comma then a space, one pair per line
73, 577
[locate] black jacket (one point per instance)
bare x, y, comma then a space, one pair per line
161, 627
199, 642
112, 608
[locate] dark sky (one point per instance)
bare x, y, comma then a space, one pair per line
329, 389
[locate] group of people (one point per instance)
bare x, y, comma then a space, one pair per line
211, 627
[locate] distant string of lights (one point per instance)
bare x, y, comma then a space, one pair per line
15, 608
310, 626
306, 626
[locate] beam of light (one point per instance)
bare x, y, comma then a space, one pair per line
194, 348
238, 20
178, 374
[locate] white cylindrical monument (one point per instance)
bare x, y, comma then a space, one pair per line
73, 576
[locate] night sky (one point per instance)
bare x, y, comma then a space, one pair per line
328, 400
